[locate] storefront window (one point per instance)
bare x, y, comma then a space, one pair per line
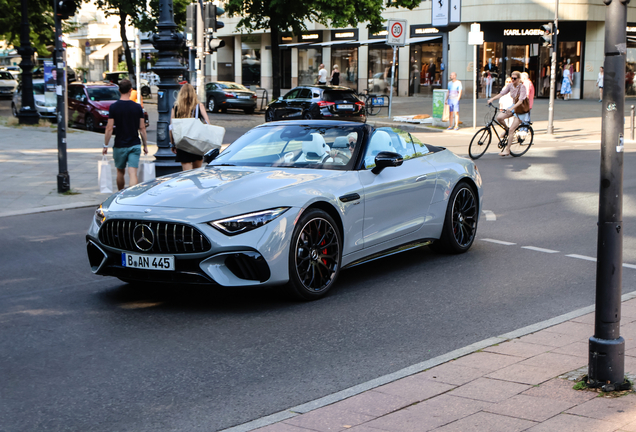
380, 60
420, 76
570, 58
309, 59
347, 61
491, 61
251, 59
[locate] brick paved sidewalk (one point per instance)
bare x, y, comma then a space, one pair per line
522, 384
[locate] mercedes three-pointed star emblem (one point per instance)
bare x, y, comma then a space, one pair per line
143, 237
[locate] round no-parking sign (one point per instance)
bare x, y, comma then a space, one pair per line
396, 33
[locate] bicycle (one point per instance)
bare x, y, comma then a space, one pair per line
481, 140
373, 102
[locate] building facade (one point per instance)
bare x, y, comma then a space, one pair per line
512, 30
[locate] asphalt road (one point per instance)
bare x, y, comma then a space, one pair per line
82, 352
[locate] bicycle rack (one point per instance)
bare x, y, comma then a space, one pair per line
264, 97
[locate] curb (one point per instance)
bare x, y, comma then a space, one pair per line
45, 209
416, 368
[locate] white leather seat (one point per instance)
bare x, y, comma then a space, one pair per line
314, 150
380, 141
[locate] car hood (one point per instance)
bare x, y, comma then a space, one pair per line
214, 187
8, 83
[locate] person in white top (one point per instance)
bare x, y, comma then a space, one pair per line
322, 75
599, 84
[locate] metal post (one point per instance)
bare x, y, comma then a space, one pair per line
444, 73
631, 116
138, 65
168, 43
606, 366
392, 79
474, 87
63, 178
28, 113
200, 84
553, 69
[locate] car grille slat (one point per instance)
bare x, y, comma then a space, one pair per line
168, 237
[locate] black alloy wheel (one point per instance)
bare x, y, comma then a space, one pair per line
460, 221
211, 105
145, 91
90, 123
314, 256
269, 115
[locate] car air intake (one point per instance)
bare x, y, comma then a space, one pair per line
160, 237
249, 266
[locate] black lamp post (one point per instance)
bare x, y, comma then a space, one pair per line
168, 42
27, 114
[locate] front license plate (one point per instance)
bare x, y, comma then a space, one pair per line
147, 262
244, 97
345, 106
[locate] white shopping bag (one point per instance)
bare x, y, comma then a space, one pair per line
195, 137
146, 170
104, 176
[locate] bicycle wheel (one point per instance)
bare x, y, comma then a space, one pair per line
480, 142
524, 135
371, 109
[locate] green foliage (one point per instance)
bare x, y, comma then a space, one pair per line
148, 20
121, 66
581, 385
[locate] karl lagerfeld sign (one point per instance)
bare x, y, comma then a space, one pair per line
523, 32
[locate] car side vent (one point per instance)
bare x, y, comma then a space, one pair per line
159, 237
248, 266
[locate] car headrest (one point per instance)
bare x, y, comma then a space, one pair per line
315, 149
340, 142
380, 141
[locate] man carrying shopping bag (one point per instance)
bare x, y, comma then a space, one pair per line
128, 116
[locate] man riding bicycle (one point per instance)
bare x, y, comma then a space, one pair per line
518, 92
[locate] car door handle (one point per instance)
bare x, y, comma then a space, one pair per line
421, 178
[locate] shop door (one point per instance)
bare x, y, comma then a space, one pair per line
285, 69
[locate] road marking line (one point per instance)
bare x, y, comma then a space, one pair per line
505, 243
490, 215
583, 257
537, 249
631, 266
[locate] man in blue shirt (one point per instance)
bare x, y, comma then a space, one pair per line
454, 95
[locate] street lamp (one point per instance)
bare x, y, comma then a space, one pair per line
168, 42
27, 114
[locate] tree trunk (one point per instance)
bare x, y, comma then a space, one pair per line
130, 65
275, 35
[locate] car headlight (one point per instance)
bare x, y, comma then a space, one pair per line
100, 216
103, 112
247, 222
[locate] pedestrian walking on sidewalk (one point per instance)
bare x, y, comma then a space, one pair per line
518, 93
525, 80
566, 85
335, 76
454, 95
128, 116
322, 75
187, 105
599, 84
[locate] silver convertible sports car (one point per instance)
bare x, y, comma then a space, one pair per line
289, 203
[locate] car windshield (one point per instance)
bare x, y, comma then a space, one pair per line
6, 76
339, 95
234, 86
98, 94
295, 146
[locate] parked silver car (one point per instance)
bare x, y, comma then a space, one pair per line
45, 104
8, 84
291, 202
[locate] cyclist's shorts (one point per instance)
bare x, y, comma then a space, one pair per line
523, 117
453, 105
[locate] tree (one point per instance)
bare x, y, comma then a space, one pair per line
280, 16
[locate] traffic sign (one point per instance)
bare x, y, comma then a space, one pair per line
396, 32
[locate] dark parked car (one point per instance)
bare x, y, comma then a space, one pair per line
115, 77
222, 95
88, 104
317, 102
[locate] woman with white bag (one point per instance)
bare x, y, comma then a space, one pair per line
187, 105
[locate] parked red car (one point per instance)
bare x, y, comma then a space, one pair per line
88, 104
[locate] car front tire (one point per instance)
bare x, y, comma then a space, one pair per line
460, 221
14, 110
211, 105
90, 123
314, 256
269, 115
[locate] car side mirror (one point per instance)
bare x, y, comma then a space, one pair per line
211, 155
280, 98
386, 159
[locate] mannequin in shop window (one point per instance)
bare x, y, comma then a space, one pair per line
432, 71
489, 66
424, 74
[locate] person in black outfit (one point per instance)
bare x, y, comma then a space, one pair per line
335, 76
128, 116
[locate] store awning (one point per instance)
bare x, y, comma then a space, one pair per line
340, 42
371, 41
415, 40
291, 45
101, 53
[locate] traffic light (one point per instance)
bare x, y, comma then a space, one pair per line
548, 34
214, 44
211, 17
65, 9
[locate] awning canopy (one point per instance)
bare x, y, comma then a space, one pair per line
101, 53
291, 45
339, 42
415, 40
371, 41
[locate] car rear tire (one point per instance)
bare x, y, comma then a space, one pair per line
248, 110
269, 115
211, 105
145, 91
90, 123
307, 116
314, 256
14, 110
460, 221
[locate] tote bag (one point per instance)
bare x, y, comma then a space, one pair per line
104, 176
146, 170
194, 137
